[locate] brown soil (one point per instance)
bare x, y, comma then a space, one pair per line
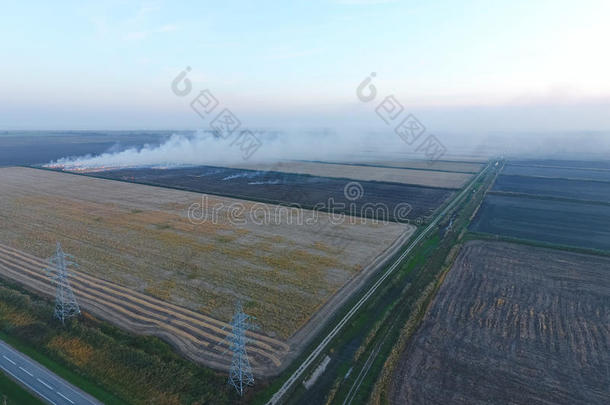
513, 324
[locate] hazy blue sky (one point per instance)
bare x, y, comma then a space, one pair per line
462, 65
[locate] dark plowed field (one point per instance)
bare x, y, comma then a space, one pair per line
305, 190
574, 189
584, 164
513, 324
559, 222
558, 172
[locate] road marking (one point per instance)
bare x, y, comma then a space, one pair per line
45, 384
81, 398
79, 395
25, 371
41, 395
65, 397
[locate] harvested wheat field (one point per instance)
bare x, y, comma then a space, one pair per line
366, 173
198, 336
513, 324
143, 262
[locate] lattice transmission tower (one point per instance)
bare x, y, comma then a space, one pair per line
65, 302
240, 375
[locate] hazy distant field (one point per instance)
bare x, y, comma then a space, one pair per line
513, 324
139, 237
305, 190
395, 175
39, 147
559, 222
576, 189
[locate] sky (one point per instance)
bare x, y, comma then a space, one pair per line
460, 66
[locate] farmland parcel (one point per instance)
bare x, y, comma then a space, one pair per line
577, 173
551, 187
438, 165
364, 173
135, 245
513, 324
305, 190
578, 164
558, 222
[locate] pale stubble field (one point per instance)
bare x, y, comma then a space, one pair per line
140, 237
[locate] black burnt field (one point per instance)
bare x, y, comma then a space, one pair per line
312, 192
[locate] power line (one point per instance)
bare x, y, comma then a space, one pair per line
240, 374
65, 303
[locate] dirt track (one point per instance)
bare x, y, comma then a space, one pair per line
199, 337
513, 324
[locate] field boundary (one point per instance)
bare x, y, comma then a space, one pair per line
309, 360
578, 179
401, 167
305, 207
320, 320
596, 169
547, 197
482, 236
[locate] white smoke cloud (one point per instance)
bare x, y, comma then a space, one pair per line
203, 148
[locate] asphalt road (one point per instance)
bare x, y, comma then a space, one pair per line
277, 397
40, 381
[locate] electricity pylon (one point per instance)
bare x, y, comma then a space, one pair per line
65, 302
240, 375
